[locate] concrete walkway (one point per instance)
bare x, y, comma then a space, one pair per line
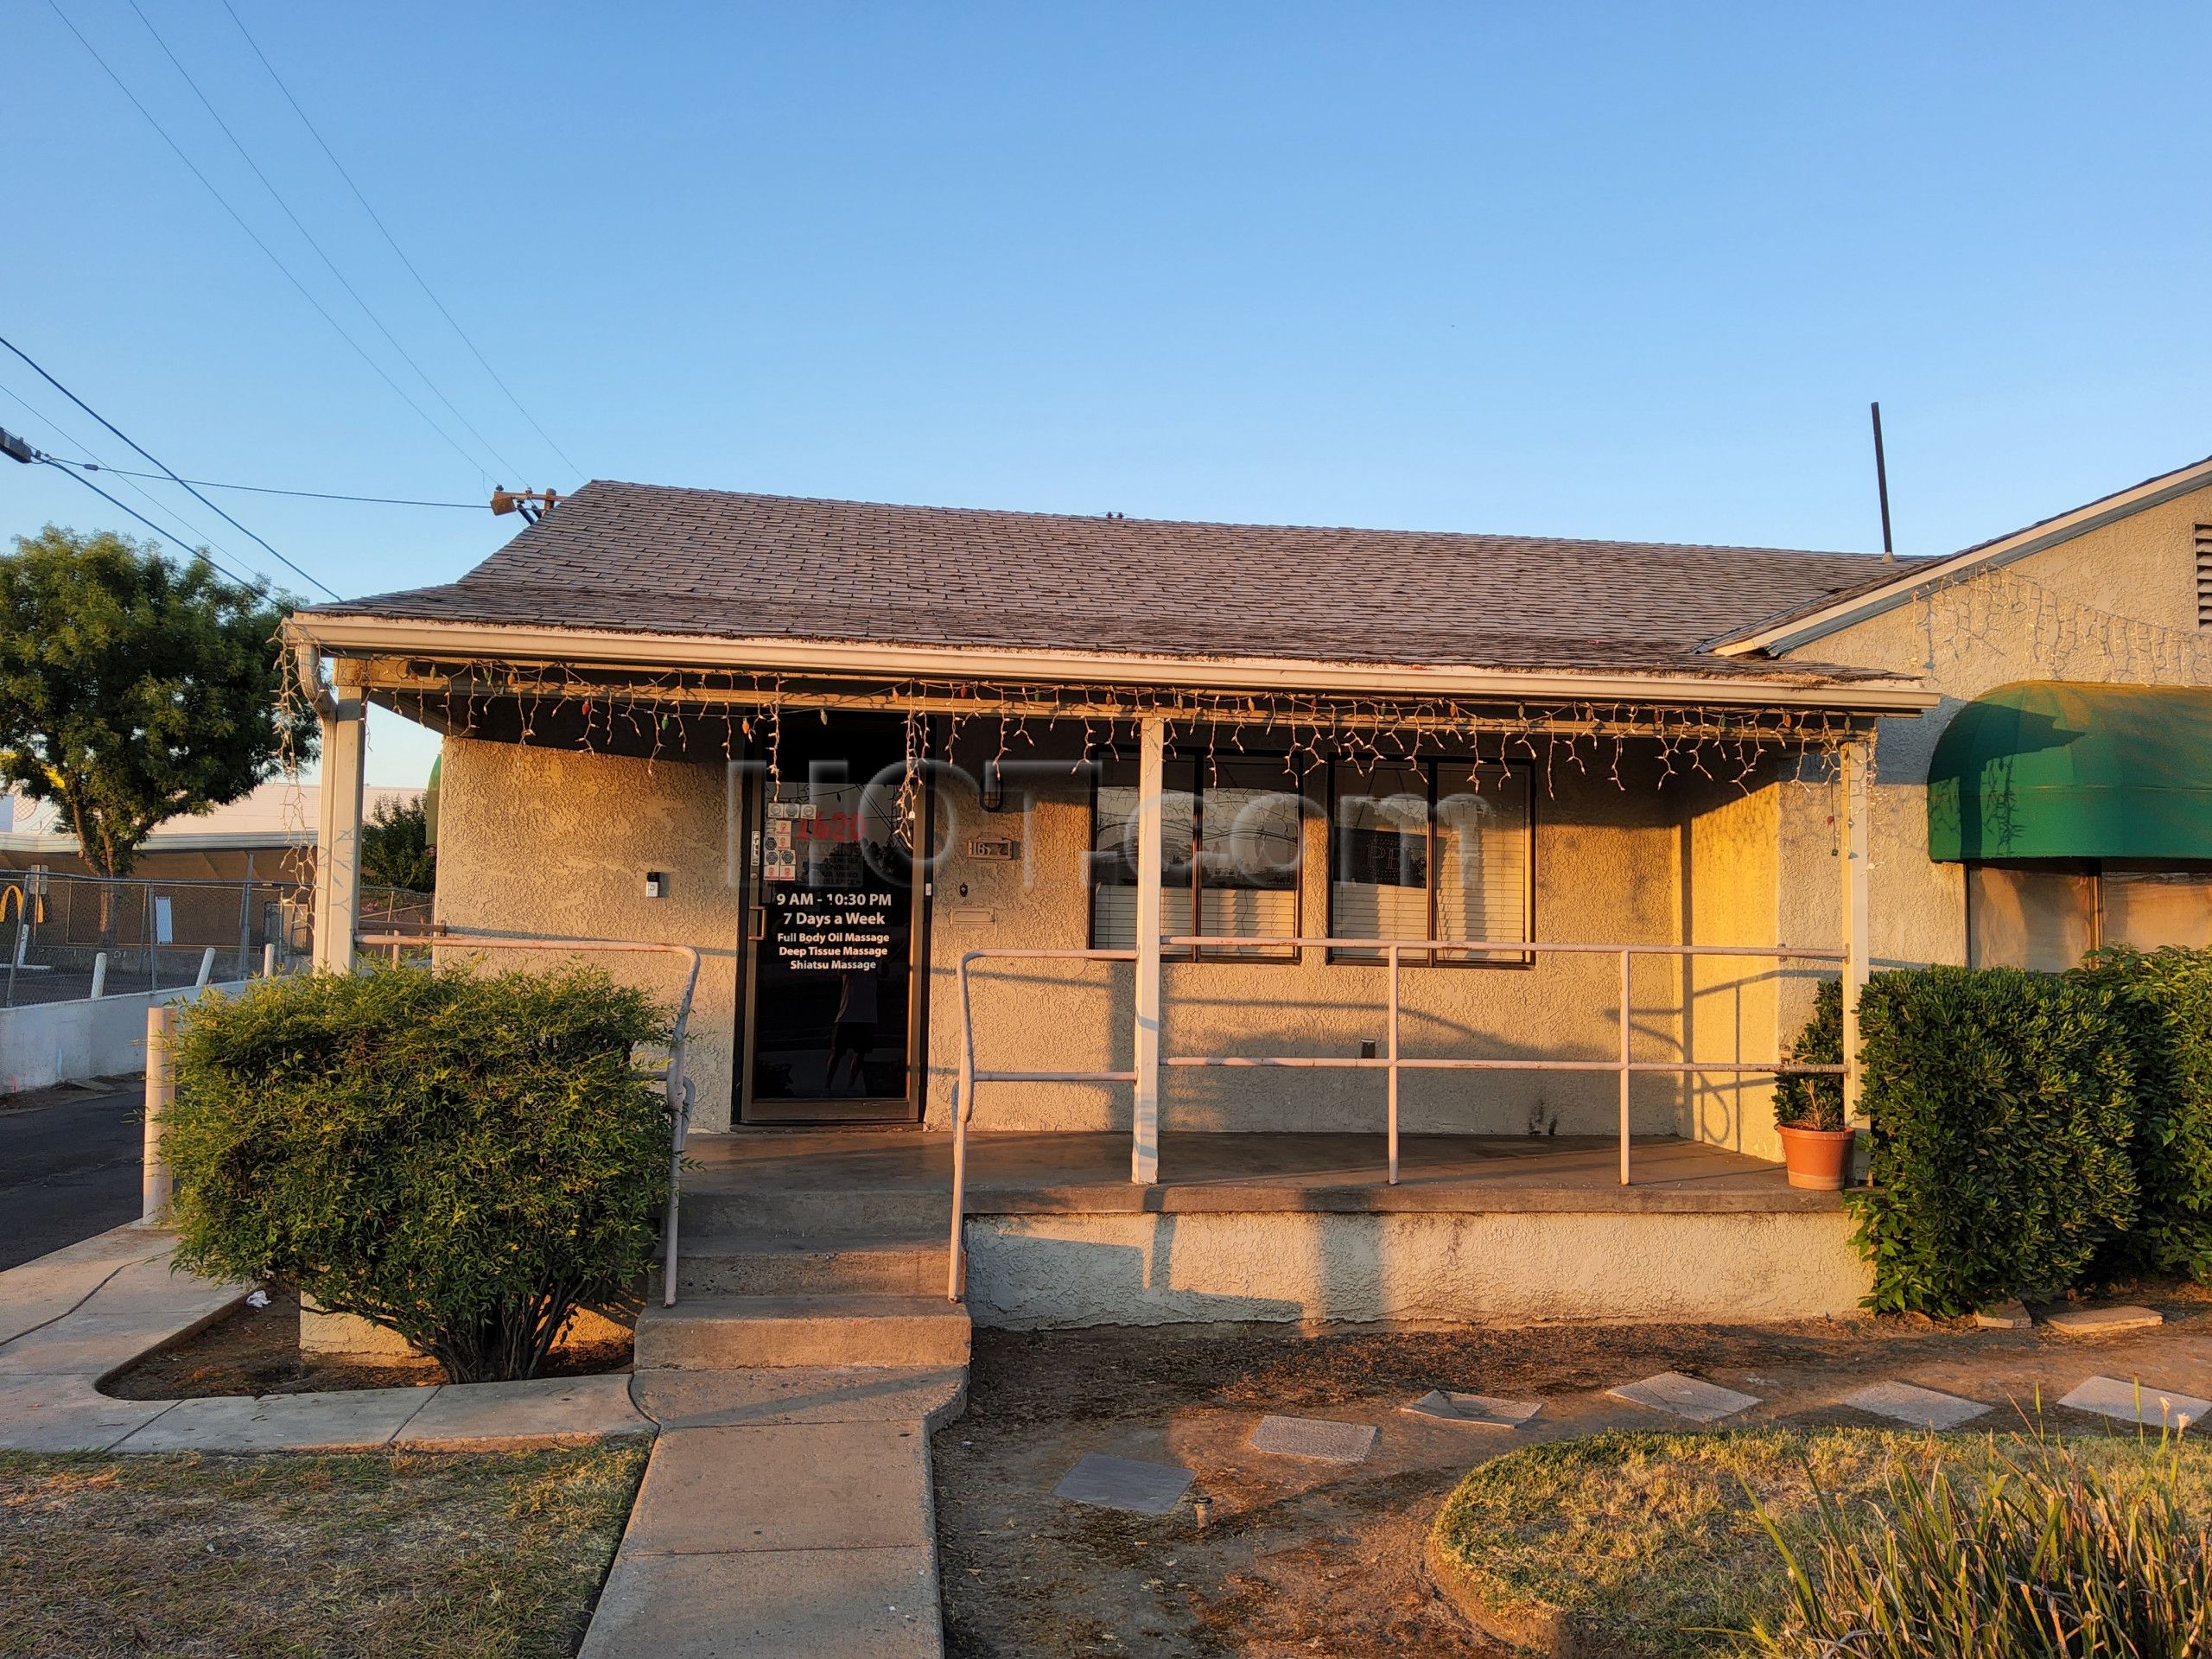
785, 1512
71, 1318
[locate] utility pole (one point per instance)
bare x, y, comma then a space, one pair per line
533, 505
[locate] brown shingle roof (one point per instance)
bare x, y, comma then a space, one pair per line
651, 559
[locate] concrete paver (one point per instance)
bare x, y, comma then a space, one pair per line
801, 1394
2004, 1316
1921, 1408
41, 1291
2129, 1399
1109, 1483
1314, 1437
783, 1487
821, 1603
539, 1411
2103, 1321
1474, 1410
803, 1529
1685, 1396
361, 1420
47, 1413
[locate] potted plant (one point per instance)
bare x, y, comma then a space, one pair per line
1809, 1106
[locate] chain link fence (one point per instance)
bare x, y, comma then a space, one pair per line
66, 937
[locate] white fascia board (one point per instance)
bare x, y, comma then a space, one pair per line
359, 635
2035, 538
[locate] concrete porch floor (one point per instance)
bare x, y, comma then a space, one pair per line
1048, 1173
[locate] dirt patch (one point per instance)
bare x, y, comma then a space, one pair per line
1305, 1558
257, 1350
392, 1555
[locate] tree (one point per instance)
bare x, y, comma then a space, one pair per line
395, 849
134, 690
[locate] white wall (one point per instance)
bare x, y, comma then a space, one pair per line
48, 1043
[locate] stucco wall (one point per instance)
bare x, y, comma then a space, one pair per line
540, 842
2051, 616
1633, 864
556, 841
1032, 1272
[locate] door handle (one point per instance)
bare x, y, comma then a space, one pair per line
758, 928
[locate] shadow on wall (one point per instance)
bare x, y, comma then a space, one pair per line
1122, 1272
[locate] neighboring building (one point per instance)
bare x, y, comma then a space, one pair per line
840, 746
269, 834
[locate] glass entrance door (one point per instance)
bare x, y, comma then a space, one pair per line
833, 978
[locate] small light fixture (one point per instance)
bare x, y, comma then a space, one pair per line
990, 791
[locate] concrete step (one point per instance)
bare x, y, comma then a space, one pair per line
809, 1265
727, 1333
798, 1212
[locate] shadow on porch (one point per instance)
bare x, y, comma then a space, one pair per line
1057, 1172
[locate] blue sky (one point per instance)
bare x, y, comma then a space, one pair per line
1578, 270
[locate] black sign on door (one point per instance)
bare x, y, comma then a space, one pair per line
834, 977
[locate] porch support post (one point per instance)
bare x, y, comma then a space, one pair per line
1851, 846
338, 832
1144, 1152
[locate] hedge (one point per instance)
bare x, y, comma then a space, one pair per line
463, 1158
2166, 997
2030, 1133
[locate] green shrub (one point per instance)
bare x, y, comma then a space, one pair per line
2000, 1112
1815, 1101
2046, 1557
463, 1160
2166, 1001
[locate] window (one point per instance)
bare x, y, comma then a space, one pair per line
1418, 852
2048, 916
1232, 830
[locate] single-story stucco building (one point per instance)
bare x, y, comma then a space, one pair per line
1615, 808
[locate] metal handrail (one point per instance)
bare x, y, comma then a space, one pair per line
1391, 1062
672, 1077
964, 1090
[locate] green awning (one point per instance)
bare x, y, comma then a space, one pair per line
2051, 769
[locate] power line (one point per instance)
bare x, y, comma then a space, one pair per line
393, 243
329, 264
164, 466
69, 437
197, 553
254, 238
311, 495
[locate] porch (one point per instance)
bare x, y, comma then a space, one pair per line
782, 1224
905, 1176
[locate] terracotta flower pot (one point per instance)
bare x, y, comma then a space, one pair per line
1817, 1158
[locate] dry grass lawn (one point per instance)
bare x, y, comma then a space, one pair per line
464, 1556
1653, 1540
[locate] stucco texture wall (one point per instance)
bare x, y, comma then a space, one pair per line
2116, 605
1058, 1271
541, 841
1636, 864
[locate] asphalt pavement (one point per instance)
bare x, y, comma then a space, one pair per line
68, 1164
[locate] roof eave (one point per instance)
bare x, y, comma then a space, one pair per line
354, 634
1803, 628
